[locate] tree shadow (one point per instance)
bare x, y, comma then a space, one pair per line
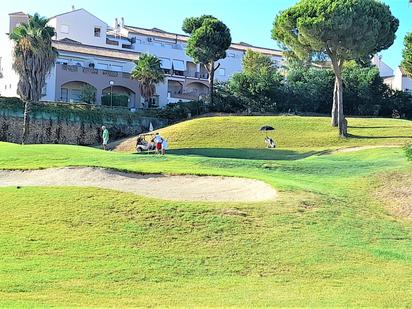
244, 153
354, 136
378, 127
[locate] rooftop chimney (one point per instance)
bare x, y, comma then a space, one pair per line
116, 23
122, 22
73, 8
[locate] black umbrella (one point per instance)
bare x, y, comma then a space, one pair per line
266, 128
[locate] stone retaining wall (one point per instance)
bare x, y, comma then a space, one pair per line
47, 129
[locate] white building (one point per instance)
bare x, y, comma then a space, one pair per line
93, 53
395, 79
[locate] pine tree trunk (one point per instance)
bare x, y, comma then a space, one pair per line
342, 125
338, 96
211, 81
334, 121
26, 121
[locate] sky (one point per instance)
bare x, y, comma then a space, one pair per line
249, 20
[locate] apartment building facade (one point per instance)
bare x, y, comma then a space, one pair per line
395, 79
93, 53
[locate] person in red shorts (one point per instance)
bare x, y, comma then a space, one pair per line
158, 141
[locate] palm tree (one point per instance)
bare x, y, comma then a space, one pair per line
34, 56
149, 73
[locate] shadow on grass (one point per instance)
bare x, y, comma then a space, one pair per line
354, 136
249, 154
378, 127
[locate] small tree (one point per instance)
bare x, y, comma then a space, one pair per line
254, 62
259, 83
341, 29
148, 73
34, 56
88, 94
208, 42
407, 55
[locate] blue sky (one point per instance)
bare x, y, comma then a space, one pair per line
249, 20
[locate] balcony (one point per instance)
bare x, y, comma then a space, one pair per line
93, 71
188, 74
176, 93
196, 75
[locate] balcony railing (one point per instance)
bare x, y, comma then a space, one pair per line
110, 73
93, 71
188, 74
199, 75
179, 94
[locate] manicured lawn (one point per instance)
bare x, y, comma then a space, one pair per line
291, 133
329, 239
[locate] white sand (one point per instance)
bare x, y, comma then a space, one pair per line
359, 148
182, 188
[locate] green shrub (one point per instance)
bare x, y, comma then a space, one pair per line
178, 111
88, 94
121, 100
82, 112
408, 151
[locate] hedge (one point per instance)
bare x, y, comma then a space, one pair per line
81, 112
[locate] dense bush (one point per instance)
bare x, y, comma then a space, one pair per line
120, 100
399, 103
225, 101
179, 111
88, 94
306, 89
70, 111
258, 86
408, 151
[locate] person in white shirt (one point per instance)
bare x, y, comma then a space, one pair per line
158, 142
165, 145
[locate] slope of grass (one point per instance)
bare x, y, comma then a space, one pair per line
291, 132
315, 173
89, 247
328, 240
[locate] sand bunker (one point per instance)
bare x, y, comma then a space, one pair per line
182, 188
359, 148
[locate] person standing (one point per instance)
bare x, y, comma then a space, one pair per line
105, 137
158, 143
165, 145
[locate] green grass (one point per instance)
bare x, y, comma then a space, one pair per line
327, 241
297, 137
291, 132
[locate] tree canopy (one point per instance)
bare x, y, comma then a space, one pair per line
253, 62
341, 29
34, 56
407, 55
149, 73
208, 42
258, 84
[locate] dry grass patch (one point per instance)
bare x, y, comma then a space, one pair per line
396, 191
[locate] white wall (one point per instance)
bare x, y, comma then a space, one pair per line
9, 80
176, 51
50, 86
407, 84
401, 82
79, 26
384, 69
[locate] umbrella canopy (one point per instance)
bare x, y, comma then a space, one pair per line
266, 128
